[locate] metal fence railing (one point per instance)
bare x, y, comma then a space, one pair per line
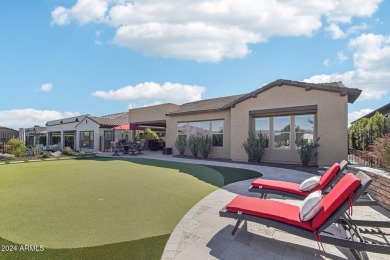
363, 158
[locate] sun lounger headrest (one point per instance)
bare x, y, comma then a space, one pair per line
329, 175
336, 197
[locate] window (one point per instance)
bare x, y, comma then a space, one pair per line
262, 126
54, 138
212, 128
282, 132
304, 127
199, 128
86, 139
217, 132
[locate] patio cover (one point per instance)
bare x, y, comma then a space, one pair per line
128, 127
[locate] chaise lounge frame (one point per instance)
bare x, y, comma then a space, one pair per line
354, 241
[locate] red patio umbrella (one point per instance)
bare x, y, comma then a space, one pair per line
128, 127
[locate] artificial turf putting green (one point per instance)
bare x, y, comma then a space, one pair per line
116, 207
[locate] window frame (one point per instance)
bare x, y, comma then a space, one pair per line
210, 130
292, 132
90, 141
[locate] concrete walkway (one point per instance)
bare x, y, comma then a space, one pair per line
202, 234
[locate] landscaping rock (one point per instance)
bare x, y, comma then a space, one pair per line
56, 154
6, 156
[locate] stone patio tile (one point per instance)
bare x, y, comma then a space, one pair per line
208, 218
197, 250
169, 254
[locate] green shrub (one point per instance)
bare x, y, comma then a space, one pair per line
181, 145
205, 145
255, 145
146, 134
45, 154
307, 150
193, 145
360, 131
17, 147
68, 151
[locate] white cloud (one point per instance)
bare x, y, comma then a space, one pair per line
131, 106
209, 31
352, 116
356, 29
371, 67
344, 10
335, 31
84, 11
28, 117
341, 57
46, 87
326, 62
152, 92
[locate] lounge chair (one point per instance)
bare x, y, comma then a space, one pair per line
336, 203
292, 190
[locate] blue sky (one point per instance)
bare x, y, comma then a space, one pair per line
60, 58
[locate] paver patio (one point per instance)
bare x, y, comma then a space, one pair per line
204, 235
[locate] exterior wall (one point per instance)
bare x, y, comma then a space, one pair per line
216, 152
331, 123
85, 124
88, 125
151, 114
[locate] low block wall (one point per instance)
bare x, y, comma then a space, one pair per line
380, 186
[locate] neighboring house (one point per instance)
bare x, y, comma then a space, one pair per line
33, 136
7, 133
385, 110
313, 109
85, 132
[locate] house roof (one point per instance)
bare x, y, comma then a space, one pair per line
111, 120
206, 105
215, 104
67, 120
7, 128
338, 87
383, 110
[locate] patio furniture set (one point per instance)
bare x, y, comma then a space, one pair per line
327, 200
129, 148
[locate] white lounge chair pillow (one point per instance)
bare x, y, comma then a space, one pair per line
310, 206
310, 183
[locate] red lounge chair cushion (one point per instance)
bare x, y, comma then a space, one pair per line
333, 200
291, 187
328, 176
269, 209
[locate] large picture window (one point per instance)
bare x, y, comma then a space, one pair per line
213, 128
304, 127
282, 138
86, 139
262, 125
280, 132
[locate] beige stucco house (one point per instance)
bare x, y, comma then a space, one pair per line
314, 109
